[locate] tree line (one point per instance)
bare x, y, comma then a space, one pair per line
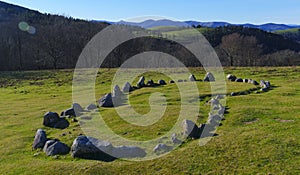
58, 41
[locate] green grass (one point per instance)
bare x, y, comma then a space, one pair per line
295, 30
250, 141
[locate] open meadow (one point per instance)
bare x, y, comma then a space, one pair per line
260, 133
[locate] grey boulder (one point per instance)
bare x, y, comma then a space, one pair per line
231, 77
209, 77
50, 119
239, 80
91, 107
39, 139
190, 129
117, 91
141, 83
92, 148
192, 78
150, 83
62, 124
127, 87
161, 82
54, 147
106, 101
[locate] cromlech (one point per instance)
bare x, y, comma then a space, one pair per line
102, 88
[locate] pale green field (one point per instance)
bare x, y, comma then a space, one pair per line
269, 145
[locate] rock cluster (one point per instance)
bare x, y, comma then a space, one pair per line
50, 147
265, 85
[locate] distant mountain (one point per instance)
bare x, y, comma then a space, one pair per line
270, 27
154, 23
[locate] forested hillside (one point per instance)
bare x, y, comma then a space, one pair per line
30, 40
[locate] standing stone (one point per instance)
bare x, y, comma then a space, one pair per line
127, 87
162, 82
39, 139
209, 77
190, 129
50, 119
56, 148
106, 101
117, 92
231, 77
141, 82
192, 78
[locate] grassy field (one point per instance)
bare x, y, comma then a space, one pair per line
260, 133
295, 30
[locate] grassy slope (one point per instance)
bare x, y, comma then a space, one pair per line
265, 146
296, 30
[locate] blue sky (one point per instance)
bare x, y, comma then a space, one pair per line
234, 11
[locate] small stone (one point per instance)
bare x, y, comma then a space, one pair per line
150, 83
231, 77
234, 94
239, 80
162, 82
192, 78
91, 107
